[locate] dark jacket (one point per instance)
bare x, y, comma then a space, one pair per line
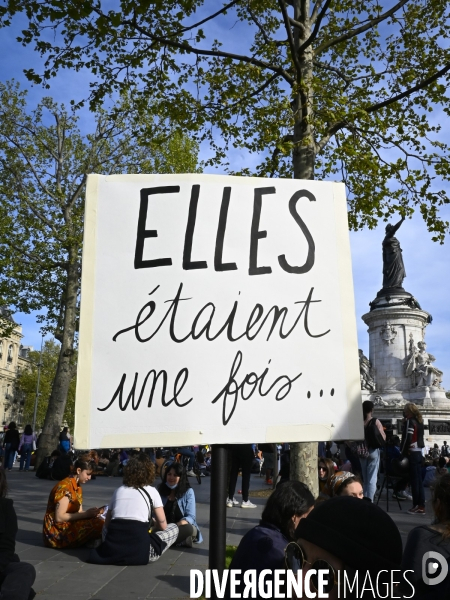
12, 437
8, 531
261, 548
412, 436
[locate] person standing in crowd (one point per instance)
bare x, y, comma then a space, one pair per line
131, 536
269, 461
374, 436
187, 451
445, 450
434, 538
326, 471
26, 447
241, 456
263, 546
178, 499
16, 577
11, 443
411, 448
65, 441
66, 524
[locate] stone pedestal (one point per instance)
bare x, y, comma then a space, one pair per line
396, 323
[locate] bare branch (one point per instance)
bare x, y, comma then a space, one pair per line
290, 37
338, 72
259, 26
315, 32
202, 52
420, 86
33, 259
222, 10
354, 32
261, 88
332, 130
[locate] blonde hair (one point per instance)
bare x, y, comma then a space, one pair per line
414, 411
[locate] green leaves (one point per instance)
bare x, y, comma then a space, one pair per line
237, 77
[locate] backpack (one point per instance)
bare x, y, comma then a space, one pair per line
373, 436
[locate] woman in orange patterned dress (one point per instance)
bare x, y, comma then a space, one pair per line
66, 524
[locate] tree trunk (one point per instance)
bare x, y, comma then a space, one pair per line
304, 455
49, 439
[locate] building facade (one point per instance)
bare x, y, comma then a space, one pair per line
14, 357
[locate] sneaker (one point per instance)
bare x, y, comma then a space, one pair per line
248, 504
229, 503
399, 496
269, 481
235, 502
188, 542
202, 475
413, 510
191, 474
420, 510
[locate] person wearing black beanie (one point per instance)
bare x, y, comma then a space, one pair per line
355, 536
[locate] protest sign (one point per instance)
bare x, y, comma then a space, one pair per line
215, 309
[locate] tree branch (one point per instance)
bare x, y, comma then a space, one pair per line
222, 10
410, 91
259, 26
201, 52
290, 37
315, 32
369, 25
332, 130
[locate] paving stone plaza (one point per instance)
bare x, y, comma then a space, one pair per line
65, 574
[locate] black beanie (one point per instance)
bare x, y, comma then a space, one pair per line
362, 535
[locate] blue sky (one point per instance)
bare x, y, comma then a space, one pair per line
427, 263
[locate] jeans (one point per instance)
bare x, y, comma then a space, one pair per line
9, 456
415, 473
16, 581
188, 452
369, 470
25, 454
241, 455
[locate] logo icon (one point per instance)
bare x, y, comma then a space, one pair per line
434, 568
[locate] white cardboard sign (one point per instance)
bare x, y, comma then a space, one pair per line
215, 309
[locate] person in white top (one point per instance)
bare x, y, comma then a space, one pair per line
132, 535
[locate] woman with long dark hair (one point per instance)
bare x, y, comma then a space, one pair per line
16, 578
263, 546
66, 524
325, 471
11, 443
26, 447
179, 504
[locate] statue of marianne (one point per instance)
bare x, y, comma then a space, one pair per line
393, 267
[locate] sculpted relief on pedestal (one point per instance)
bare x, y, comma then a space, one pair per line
388, 333
418, 365
365, 373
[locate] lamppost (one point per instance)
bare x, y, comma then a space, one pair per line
39, 365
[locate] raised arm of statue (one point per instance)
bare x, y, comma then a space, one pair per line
394, 228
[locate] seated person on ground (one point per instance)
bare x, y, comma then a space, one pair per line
179, 504
263, 546
127, 539
344, 483
16, 577
112, 469
346, 534
66, 524
435, 538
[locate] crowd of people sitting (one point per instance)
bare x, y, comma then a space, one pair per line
340, 529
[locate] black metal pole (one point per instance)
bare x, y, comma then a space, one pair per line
218, 510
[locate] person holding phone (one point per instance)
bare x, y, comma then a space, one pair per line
66, 524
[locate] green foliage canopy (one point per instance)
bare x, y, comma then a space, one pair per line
345, 89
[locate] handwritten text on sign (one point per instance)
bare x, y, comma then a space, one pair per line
215, 310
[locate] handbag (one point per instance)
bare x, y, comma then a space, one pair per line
360, 449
